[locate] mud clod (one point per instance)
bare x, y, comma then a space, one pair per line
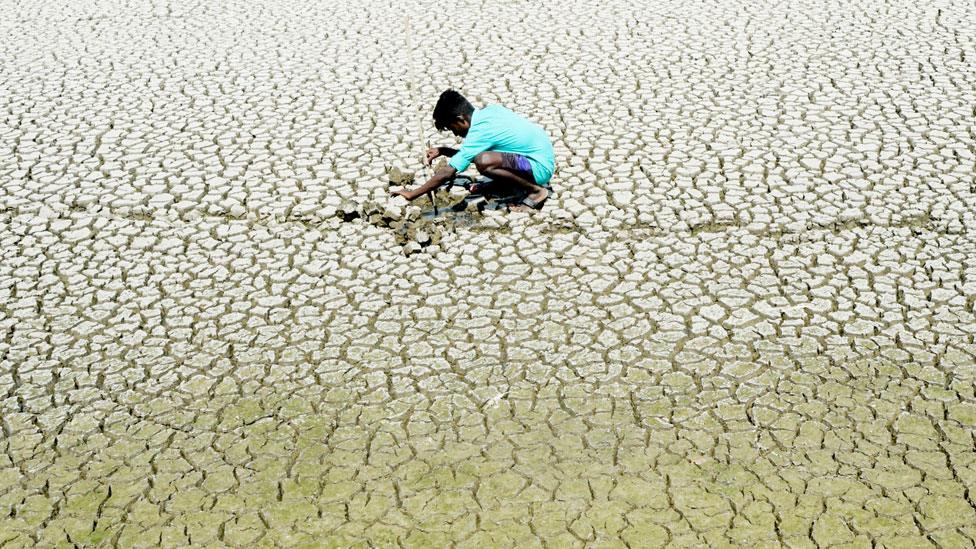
400, 177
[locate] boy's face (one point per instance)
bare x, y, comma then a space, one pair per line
460, 127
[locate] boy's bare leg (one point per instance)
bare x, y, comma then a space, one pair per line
490, 164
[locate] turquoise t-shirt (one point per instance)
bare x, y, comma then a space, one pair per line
495, 128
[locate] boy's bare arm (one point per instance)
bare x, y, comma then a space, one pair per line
440, 177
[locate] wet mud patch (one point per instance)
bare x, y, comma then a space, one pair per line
713, 227
921, 222
423, 222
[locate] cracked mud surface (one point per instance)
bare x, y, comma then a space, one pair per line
746, 318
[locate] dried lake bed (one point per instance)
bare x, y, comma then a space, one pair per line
746, 318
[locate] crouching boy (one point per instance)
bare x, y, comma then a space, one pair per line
505, 147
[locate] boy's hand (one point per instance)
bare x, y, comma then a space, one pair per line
405, 193
432, 153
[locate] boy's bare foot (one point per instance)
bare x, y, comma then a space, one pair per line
532, 201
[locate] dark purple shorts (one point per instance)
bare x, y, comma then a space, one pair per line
519, 164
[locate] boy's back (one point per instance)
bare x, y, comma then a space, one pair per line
496, 128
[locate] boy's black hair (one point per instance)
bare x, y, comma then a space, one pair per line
450, 106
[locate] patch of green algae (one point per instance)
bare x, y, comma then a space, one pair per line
601, 467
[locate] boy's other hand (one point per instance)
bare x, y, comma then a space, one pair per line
432, 153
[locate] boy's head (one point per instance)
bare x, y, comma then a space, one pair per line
453, 112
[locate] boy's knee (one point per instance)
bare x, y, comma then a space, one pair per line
483, 162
